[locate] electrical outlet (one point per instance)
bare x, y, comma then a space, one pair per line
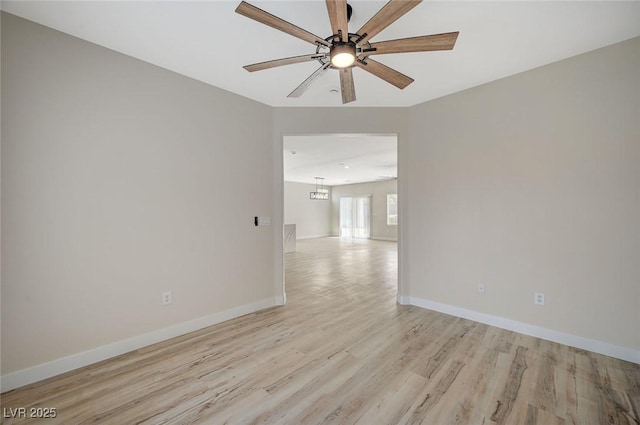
166, 298
538, 298
480, 288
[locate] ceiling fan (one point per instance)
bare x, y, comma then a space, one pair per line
343, 50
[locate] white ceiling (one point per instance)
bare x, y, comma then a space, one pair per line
207, 41
340, 158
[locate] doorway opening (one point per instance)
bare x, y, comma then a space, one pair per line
360, 175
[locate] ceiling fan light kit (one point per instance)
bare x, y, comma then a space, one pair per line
344, 50
343, 55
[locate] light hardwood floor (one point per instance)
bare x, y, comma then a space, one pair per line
343, 352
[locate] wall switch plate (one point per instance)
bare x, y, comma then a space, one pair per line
166, 298
538, 298
480, 288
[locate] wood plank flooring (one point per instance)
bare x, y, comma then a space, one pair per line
343, 352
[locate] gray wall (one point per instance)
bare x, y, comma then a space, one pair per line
121, 180
311, 217
532, 183
378, 192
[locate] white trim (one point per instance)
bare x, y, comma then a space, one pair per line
403, 300
376, 238
75, 361
593, 345
314, 236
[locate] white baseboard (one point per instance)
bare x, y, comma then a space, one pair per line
313, 236
75, 361
593, 345
402, 300
375, 238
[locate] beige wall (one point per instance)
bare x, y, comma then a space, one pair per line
532, 183
378, 192
121, 180
311, 217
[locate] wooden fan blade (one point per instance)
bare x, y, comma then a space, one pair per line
306, 83
391, 12
337, 10
280, 62
266, 18
415, 44
390, 75
347, 86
